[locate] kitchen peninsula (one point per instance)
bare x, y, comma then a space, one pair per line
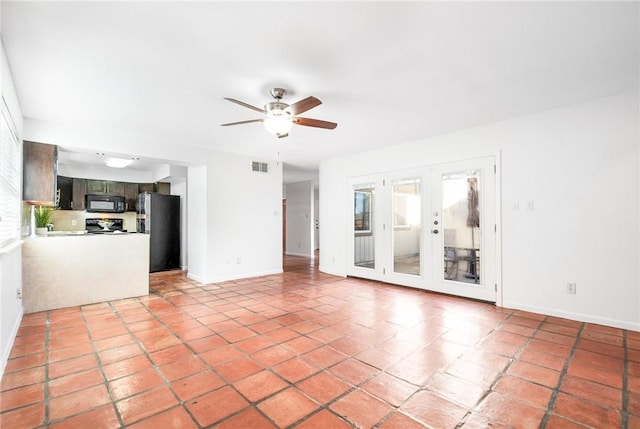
77, 269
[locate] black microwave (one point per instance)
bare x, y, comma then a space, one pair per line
104, 204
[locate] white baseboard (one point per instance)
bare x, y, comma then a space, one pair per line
304, 255
580, 317
7, 352
219, 279
323, 269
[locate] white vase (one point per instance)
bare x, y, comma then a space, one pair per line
41, 231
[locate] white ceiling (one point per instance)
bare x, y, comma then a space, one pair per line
387, 72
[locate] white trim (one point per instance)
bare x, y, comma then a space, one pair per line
498, 214
580, 317
425, 280
232, 277
304, 255
14, 334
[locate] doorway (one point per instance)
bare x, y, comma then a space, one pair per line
432, 228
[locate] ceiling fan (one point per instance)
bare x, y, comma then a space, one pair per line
280, 116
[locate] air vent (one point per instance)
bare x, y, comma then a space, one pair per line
260, 167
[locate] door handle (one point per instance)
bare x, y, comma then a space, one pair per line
435, 231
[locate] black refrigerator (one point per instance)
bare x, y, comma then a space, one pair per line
159, 216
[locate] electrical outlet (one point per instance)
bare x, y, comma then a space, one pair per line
571, 288
18, 294
73, 222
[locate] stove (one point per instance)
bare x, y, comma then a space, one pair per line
104, 225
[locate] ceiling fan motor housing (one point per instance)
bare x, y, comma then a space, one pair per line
276, 108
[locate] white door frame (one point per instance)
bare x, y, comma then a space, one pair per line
424, 280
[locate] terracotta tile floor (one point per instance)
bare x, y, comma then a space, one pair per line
308, 350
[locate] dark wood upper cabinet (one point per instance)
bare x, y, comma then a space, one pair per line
146, 187
105, 187
73, 191
79, 192
40, 170
130, 196
65, 193
97, 187
163, 188
115, 188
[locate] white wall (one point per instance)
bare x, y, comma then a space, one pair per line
300, 219
579, 165
239, 232
106, 173
197, 212
10, 257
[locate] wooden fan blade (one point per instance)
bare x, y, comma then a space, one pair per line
242, 122
303, 105
242, 103
308, 122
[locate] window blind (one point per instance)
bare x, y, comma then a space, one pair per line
9, 179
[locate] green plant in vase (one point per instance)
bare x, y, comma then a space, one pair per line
43, 216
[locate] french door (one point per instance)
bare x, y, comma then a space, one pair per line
432, 228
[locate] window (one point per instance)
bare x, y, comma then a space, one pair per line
406, 203
9, 179
362, 211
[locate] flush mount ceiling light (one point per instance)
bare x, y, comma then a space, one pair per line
118, 162
280, 116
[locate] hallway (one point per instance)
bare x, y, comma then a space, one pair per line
308, 350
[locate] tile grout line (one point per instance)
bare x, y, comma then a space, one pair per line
208, 366
321, 406
422, 387
565, 368
252, 404
290, 384
512, 360
46, 369
96, 355
146, 353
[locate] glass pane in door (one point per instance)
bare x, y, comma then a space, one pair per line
363, 226
461, 226
407, 228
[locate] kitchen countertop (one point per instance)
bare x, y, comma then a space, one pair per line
75, 233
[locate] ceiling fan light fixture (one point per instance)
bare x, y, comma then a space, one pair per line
278, 121
279, 117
